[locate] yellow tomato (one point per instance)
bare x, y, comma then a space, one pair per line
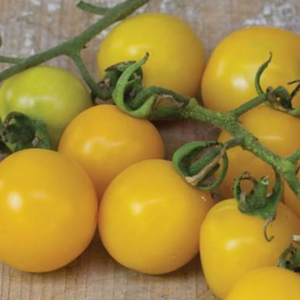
275, 130
228, 80
269, 283
48, 210
150, 218
49, 94
233, 243
176, 54
291, 199
104, 141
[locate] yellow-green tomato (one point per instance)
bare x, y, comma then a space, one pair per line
233, 243
150, 218
176, 54
45, 93
104, 141
228, 80
269, 283
48, 210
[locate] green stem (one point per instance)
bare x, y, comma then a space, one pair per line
10, 60
92, 8
294, 157
249, 105
77, 43
86, 75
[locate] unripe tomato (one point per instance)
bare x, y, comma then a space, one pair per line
176, 59
276, 130
104, 141
150, 218
291, 200
269, 283
228, 80
233, 243
49, 94
48, 210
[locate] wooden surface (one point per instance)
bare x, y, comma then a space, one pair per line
28, 26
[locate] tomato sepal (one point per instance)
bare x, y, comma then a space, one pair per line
199, 172
19, 132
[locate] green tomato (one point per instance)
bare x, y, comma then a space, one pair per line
45, 93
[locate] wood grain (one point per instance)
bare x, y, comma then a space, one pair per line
28, 26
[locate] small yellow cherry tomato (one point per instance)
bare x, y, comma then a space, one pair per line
291, 200
49, 94
276, 130
150, 218
48, 210
233, 243
104, 141
176, 59
269, 283
228, 80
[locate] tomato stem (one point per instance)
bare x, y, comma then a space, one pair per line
92, 8
76, 44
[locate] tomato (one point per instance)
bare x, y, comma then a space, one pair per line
233, 243
48, 210
49, 94
275, 130
291, 199
269, 283
228, 80
149, 218
105, 141
176, 54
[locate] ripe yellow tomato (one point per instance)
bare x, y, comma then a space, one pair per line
49, 94
228, 80
48, 210
233, 243
104, 141
275, 130
291, 199
150, 218
269, 283
176, 54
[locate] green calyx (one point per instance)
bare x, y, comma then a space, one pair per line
199, 172
258, 201
290, 258
152, 103
19, 132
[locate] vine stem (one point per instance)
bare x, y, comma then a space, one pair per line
228, 121
76, 44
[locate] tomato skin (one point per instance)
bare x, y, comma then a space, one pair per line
228, 80
291, 199
269, 283
276, 130
149, 218
49, 94
233, 243
176, 59
48, 210
104, 141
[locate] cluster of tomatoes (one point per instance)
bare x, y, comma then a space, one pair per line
109, 168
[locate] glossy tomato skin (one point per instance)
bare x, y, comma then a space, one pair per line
269, 283
228, 80
104, 141
46, 93
176, 59
149, 218
291, 199
275, 130
233, 243
48, 210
